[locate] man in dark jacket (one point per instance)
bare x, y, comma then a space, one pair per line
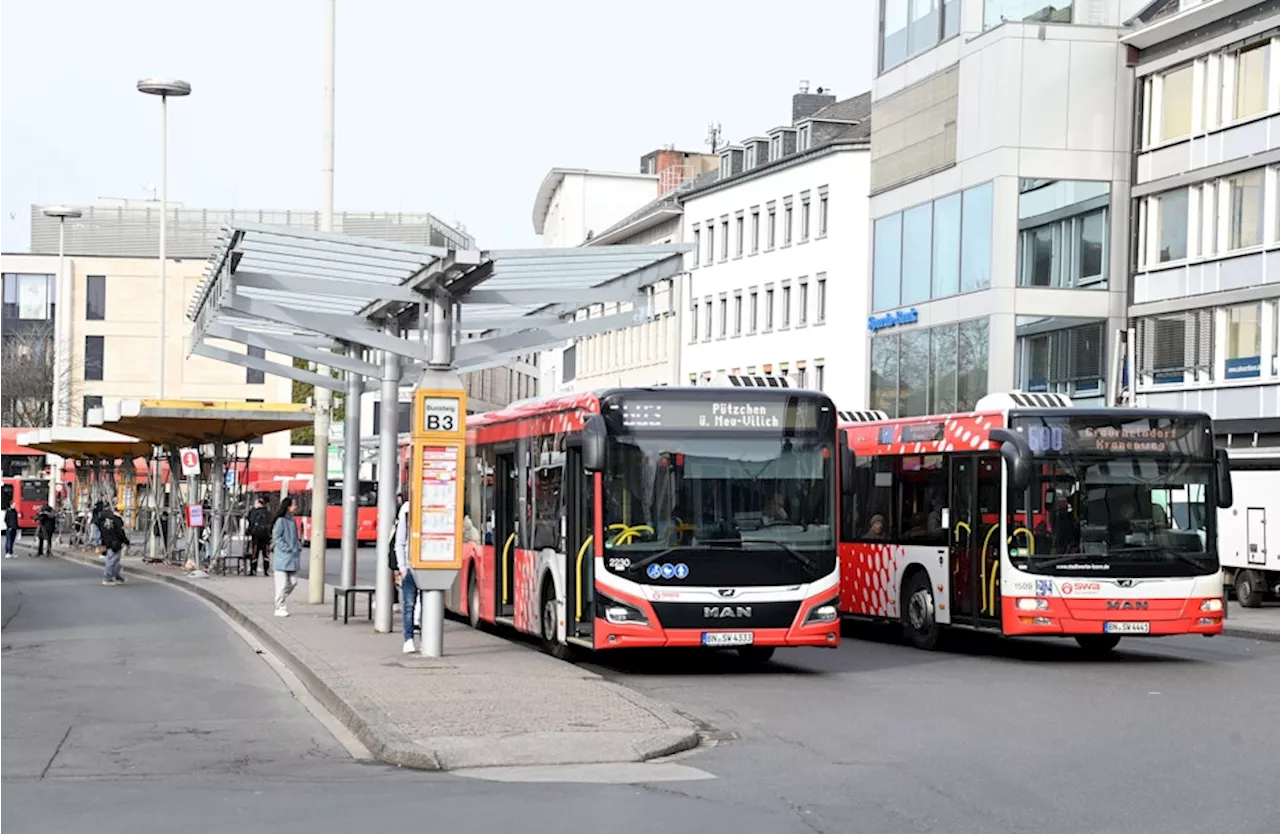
259, 525
46, 521
114, 540
10, 529
95, 522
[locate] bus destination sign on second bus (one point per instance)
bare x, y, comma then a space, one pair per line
718, 414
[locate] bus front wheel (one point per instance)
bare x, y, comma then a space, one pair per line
1097, 643
550, 621
919, 616
473, 599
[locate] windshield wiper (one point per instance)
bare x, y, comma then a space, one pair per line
808, 563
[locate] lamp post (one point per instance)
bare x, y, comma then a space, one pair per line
163, 87
60, 412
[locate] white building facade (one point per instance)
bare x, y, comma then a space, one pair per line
778, 274
1000, 182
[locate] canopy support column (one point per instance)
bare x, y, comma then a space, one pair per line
351, 471
388, 478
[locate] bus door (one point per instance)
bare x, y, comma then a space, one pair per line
975, 539
506, 528
579, 517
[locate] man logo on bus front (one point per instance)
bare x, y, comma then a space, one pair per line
726, 592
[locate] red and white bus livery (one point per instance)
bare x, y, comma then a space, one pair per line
655, 517
1033, 517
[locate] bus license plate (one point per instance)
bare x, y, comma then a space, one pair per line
1127, 628
727, 638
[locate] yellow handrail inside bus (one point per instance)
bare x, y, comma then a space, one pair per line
505, 549
983, 557
995, 571
627, 532
1031, 538
582, 551
965, 525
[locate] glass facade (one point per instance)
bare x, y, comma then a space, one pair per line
995, 12
933, 250
1065, 356
1063, 239
910, 27
938, 370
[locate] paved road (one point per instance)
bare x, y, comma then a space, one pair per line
137, 710
990, 736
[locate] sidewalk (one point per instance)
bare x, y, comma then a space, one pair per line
1256, 623
488, 702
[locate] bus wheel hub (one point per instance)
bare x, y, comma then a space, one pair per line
920, 610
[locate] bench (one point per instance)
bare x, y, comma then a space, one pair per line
346, 594
241, 563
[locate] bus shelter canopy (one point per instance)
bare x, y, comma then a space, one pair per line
85, 443
196, 422
307, 294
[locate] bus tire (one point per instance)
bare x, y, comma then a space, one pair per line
756, 655
1097, 644
550, 617
1247, 588
919, 613
473, 599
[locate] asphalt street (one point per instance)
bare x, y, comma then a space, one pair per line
137, 709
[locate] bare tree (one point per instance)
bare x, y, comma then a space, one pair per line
26, 354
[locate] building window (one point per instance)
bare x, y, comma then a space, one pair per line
755, 230
1176, 92
1171, 238
822, 214
95, 298
786, 306
1243, 359
1253, 76
753, 320
1067, 253
995, 12
768, 309
1245, 209
739, 235
917, 253
1067, 361
724, 239
1175, 347
775, 147
930, 371
29, 297
693, 322
709, 310
711, 242
819, 376
802, 315
724, 317
750, 157
771, 229
737, 314
909, 27
90, 402
802, 138
786, 225
93, 350
253, 376
804, 219
821, 314
697, 245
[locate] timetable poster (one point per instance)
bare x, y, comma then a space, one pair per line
439, 497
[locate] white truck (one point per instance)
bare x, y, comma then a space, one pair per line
1249, 553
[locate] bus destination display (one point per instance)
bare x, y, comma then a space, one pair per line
1161, 437
720, 415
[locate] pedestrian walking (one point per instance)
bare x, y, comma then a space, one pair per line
95, 524
114, 541
404, 576
10, 529
259, 526
286, 554
46, 521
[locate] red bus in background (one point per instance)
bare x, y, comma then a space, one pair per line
300, 490
28, 496
1031, 517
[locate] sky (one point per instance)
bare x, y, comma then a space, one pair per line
456, 108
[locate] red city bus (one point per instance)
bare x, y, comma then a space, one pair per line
655, 517
300, 490
28, 496
1032, 517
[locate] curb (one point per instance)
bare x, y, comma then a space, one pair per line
1250, 633
389, 746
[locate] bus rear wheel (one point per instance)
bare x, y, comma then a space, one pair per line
1097, 643
919, 614
756, 655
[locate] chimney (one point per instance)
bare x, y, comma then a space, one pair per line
804, 104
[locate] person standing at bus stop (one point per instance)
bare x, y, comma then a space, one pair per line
259, 524
46, 521
10, 529
286, 554
404, 576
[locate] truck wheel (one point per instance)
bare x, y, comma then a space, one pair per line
919, 614
1248, 588
1097, 644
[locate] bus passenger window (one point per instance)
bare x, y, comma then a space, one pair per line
548, 508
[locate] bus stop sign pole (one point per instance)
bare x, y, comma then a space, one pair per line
438, 470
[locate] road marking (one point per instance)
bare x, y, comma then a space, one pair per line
621, 773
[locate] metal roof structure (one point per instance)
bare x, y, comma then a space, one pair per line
304, 294
196, 422
85, 443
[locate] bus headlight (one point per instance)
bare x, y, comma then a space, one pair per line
1211, 605
1036, 604
619, 613
827, 612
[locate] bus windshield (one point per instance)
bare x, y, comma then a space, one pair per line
1123, 516
691, 494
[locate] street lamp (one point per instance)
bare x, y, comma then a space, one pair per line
61, 410
163, 87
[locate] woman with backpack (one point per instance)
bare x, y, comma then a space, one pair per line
286, 554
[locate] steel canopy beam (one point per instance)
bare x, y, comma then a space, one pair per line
347, 328
294, 349
267, 366
528, 340
322, 285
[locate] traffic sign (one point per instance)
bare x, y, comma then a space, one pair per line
190, 462
231, 479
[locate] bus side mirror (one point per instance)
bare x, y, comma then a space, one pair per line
1017, 455
593, 443
1225, 496
846, 467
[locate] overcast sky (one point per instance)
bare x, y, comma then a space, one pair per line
457, 108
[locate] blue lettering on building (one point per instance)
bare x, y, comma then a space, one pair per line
897, 317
